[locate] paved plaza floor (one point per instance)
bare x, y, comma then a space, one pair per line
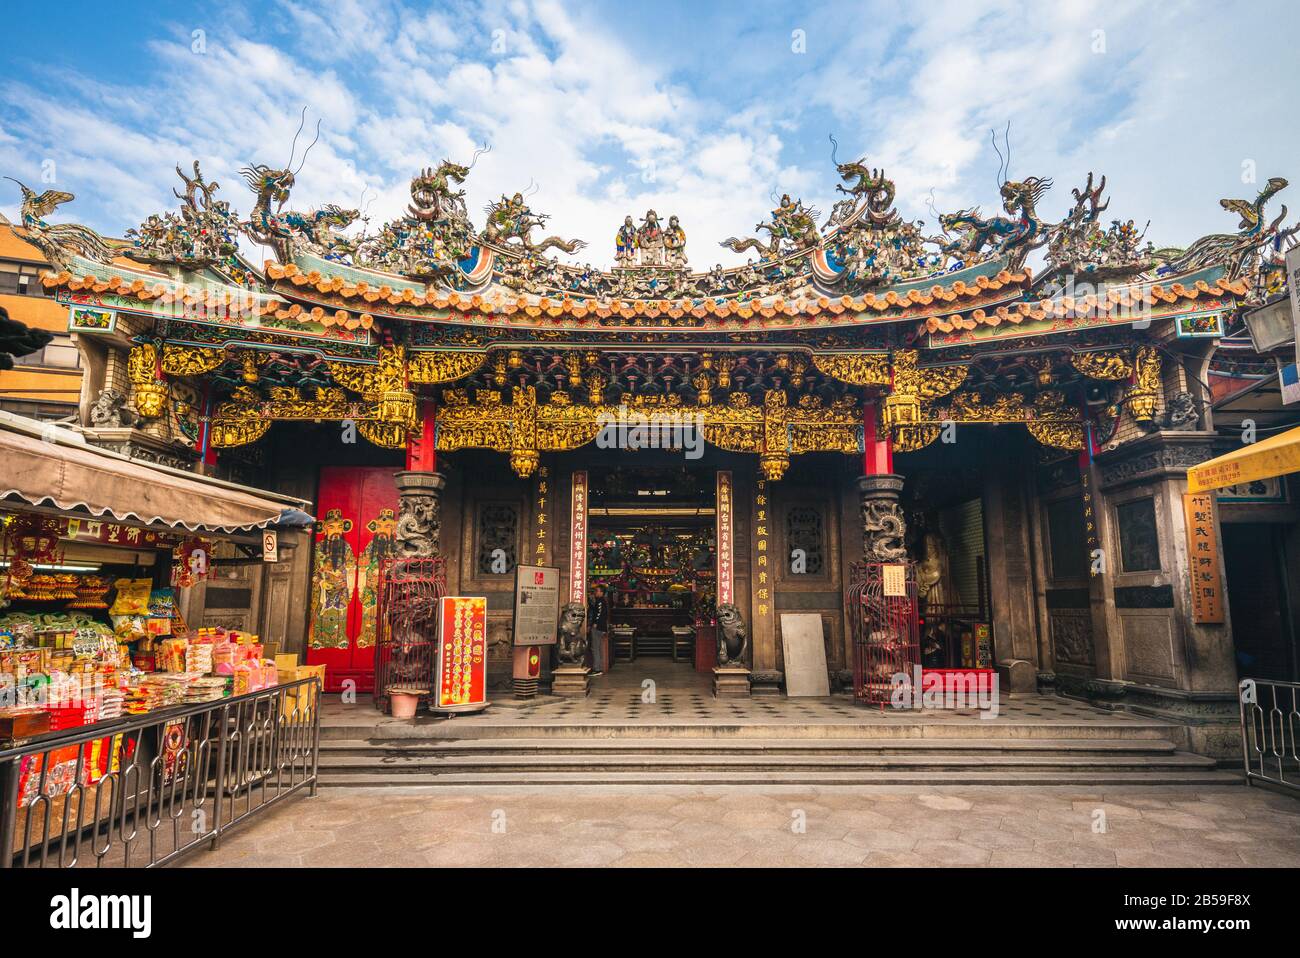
874, 826
657, 692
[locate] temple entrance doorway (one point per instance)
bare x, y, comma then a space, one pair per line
944, 504
1254, 556
651, 559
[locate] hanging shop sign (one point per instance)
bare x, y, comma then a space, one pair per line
113, 534
1267, 491
537, 604
578, 542
1203, 558
462, 654
726, 547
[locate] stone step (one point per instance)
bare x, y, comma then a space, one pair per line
885, 729
704, 746
1088, 779
410, 764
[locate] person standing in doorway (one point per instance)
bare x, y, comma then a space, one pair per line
598, 617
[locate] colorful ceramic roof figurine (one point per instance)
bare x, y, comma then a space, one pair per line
864, 258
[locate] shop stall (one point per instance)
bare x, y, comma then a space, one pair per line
97, 554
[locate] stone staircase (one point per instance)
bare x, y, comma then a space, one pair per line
451, 753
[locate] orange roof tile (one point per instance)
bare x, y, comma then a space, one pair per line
13, 246
38, 312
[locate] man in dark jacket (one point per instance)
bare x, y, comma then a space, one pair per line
598, 619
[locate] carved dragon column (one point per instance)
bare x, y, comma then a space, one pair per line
883, 523
419, 488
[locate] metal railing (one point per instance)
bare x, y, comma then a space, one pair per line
1270, 725
142, 792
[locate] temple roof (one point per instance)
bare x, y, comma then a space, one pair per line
864, 265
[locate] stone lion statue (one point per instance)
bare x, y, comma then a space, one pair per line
733, 636
109, 411
1181, 414
572, 644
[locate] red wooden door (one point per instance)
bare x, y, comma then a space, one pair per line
357, 516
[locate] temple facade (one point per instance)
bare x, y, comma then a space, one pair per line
1006, 404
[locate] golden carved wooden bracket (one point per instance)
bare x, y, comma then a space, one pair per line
382, 418
1049, 419
1111, 365
525, 428
1144, 395
148, 387
856, 369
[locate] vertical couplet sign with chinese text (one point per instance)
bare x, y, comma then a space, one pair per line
725, 546
1087, 483
1203, 557
541, 518
462, 653
764, 617
578, 540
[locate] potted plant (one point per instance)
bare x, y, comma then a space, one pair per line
404, 700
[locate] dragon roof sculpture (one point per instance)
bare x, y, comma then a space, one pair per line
60, 242
863, 252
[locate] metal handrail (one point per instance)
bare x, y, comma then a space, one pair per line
1270, 727
165, 783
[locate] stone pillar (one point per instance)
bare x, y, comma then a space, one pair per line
1164, 662
419, 524
883, 523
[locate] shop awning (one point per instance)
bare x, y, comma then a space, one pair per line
1276, 456
47, 466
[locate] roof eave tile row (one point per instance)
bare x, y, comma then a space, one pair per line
230, 300
1115, 299
501, 303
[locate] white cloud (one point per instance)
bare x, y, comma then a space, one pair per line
1181, 96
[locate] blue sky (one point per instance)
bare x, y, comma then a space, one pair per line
702, 109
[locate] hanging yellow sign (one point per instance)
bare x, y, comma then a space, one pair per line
1266, 459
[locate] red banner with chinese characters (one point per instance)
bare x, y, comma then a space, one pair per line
1203, 557
95, 531
578, 540
462, 653
726, 549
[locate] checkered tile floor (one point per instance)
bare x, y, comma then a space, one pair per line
656, 692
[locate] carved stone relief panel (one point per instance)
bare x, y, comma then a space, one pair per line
1072, 637
1149, 645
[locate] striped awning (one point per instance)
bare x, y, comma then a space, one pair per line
46, 466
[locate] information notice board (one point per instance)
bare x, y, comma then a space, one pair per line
537, 604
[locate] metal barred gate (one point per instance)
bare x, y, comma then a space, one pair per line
406, 649
883, 622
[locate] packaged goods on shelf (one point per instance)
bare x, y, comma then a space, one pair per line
132, 597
